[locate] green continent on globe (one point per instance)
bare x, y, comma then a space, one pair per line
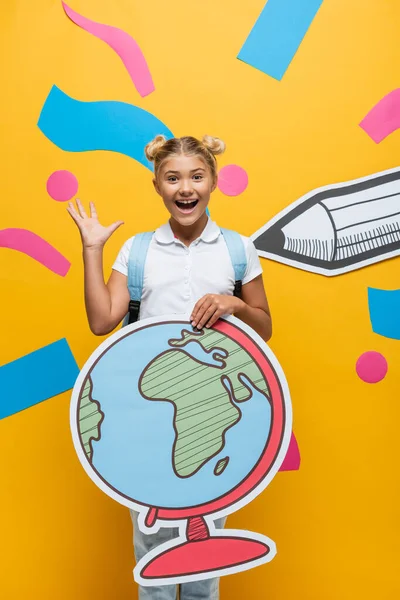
90, 418
203, 394
221, 465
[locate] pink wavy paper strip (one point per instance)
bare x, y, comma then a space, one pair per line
292, 458
384, 118
36, 247
123, 44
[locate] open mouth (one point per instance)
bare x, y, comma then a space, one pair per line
186, 206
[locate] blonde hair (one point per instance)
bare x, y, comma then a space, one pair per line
160, 149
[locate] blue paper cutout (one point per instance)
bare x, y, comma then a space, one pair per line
77, 126
35, 377
384, 312
277, 34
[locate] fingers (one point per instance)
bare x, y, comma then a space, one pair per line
114, 226
81, 209
206, 308
211, 315
214, 318
93, 211
199, 309
196, 308
211, 307
73, 213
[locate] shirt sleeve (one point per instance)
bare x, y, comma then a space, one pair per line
254, 268
121, 262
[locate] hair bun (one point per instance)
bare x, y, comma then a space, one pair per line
213, 144
153, 148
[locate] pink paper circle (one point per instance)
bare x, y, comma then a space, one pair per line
371, 367
232, 180
62, 185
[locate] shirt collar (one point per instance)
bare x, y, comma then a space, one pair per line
165, 235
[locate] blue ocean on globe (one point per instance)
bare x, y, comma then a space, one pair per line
134, 452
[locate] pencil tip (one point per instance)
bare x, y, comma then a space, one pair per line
272, 241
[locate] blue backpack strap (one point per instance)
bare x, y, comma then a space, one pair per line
238, 256
137, 260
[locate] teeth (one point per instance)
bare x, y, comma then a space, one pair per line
186, 201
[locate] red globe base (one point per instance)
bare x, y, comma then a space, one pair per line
201, 556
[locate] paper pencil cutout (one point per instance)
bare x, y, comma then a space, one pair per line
338, 228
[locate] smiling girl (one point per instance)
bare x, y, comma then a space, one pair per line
188, 271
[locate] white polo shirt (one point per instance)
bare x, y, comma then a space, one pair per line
176, 276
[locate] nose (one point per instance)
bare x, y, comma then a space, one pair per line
186, 189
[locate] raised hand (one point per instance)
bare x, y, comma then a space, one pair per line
93, 234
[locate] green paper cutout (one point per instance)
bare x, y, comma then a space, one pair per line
90, 419
200, 434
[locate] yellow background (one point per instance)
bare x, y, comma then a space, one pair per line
336, 521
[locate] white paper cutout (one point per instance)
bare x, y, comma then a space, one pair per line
338, 228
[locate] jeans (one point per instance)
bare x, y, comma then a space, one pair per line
207, 589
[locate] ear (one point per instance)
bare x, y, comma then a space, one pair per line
214, 185
156, 186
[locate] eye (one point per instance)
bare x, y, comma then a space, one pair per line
172, 178
198, 177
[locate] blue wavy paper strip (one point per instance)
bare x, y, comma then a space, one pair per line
77, 126
277, 35
37, 376
384, 312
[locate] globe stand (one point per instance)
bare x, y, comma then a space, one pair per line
202, 553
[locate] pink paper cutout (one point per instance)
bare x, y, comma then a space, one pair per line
204, 556
384, 118
292, 458
371, 367
62, 185
36, 247
123, 44
232, 180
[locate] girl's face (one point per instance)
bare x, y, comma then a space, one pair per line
185, 184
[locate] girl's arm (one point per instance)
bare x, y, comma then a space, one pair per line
252, 308
106, 305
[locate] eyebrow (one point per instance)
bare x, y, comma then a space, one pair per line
193, 171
